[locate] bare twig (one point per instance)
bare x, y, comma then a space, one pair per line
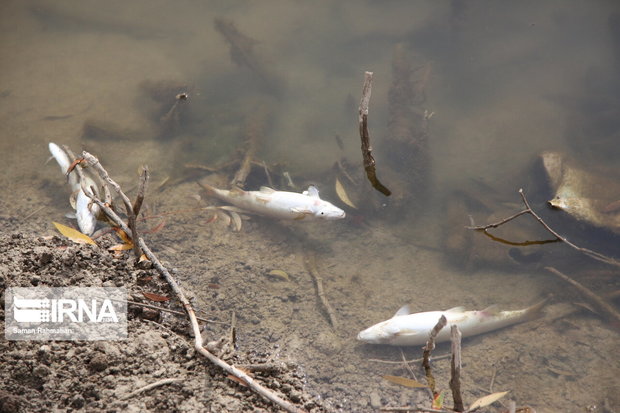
167, 310
118, 221
151, 386
492, 383
198, 345
455, 369
430, 346
144, 179
34, 212
597, 301
369, 160
310, 262
131, 216
528, 210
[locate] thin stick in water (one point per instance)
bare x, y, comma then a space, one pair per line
455, 369
430, 346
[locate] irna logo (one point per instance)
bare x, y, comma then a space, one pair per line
70, 313
60, 310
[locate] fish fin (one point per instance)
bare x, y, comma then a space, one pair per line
492, 310
312, 192
267, 190
534, 310
404, 310
302, 213
459, 309
235, 190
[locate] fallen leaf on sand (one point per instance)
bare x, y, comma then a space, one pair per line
404, 381
73, 234
487, 400
279, 274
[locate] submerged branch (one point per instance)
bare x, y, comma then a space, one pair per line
430, 346
455, 369
609, 311
369, 160
528, 210
310, 262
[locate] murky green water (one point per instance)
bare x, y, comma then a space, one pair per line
504, 82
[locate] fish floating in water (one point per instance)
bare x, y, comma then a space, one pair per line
86, 211
279, 204
406, 329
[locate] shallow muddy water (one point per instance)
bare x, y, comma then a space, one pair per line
500, 83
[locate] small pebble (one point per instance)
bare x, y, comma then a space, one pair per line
375, 400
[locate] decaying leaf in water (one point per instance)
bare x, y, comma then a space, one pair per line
487, 400
438, 401
155, 297
342, 194
404, 381
280, 274
73, 234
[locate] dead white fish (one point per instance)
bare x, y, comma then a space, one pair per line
64, 162
406, 329
279, 204
86, 211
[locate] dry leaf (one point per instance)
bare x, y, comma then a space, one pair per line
280, 274
73, 234
155, 297
120, 247
487, 400
342, 194
124, 237
404, 381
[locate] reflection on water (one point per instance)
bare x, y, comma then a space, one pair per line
504, 81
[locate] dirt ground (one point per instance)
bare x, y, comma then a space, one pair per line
101, 376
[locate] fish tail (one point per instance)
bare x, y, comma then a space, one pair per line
534, 311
